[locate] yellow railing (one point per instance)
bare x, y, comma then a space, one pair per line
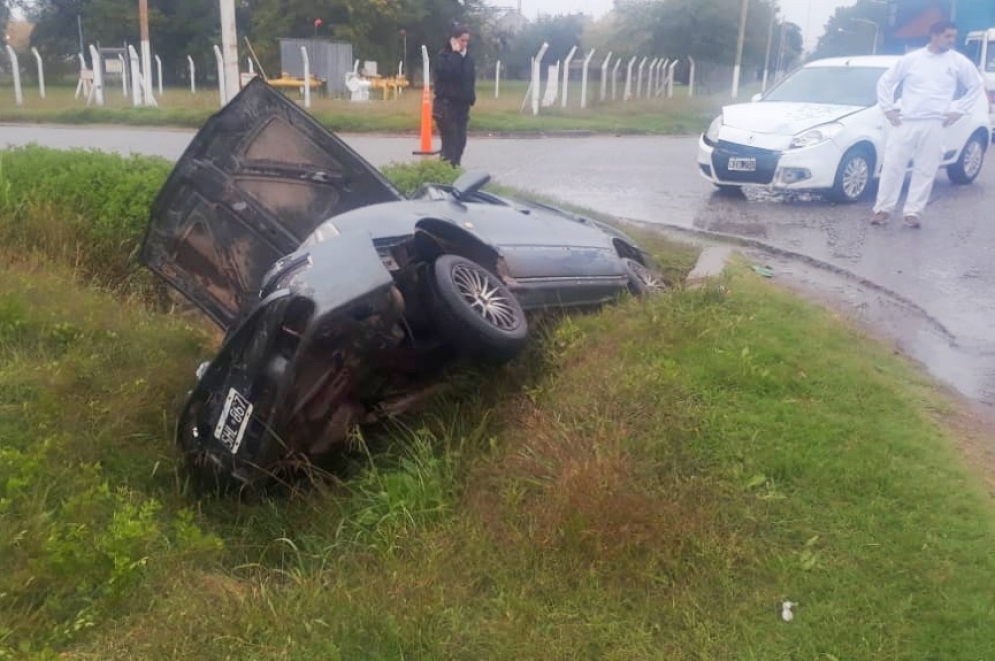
391, 86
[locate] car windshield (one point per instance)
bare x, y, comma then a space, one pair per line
844, 86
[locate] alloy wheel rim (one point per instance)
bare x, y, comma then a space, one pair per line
479, 291
855, 177
972, 159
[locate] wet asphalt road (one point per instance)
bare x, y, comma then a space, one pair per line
947, 269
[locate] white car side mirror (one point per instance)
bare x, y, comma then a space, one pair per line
756, 97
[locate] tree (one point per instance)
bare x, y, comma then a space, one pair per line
179, 28
561, 32
704, 29
4, 14
847, 31
787, 46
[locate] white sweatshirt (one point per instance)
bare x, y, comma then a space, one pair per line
929, 83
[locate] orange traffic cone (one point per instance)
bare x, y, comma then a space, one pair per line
426, 124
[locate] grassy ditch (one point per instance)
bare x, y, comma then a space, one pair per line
650, 481
178, 107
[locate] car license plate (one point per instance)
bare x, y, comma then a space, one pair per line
233, 421
742, 165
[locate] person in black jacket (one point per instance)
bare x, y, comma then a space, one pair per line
455, 80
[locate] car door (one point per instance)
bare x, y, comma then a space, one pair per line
259, 177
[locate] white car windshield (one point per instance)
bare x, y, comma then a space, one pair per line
842, 86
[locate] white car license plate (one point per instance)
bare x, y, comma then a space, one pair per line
233, 421
742, 165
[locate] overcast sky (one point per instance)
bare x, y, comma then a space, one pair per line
811, 15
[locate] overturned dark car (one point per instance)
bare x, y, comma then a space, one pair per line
337, 293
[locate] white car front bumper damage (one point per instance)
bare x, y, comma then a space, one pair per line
737, 160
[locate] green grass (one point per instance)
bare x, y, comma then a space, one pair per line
649, 481
178, 107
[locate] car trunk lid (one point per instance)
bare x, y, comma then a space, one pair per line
257, 178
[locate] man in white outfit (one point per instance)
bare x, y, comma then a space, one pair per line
929, 78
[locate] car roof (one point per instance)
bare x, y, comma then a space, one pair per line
880, 61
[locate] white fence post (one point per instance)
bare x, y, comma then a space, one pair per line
497, 79
137, 86
97, 88
537, 77
252, 67
552, 85
670, 78
618, 63
604, 74
221, 75
583, 79
158, 70
193, 75
41, 71
650, 72
307, 77
628, 79
691, 77
16, 70
566, 75
81, 84
639, 78
124, 75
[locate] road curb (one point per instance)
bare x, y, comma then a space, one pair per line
733, 240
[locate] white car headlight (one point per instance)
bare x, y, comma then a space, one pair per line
816, 136
712, 135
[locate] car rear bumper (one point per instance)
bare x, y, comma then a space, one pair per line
811, 168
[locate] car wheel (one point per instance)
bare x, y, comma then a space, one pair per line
853, 176
968, 166
643, 280
474, 310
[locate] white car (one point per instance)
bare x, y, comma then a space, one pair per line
820, 129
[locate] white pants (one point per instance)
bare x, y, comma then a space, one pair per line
919, 140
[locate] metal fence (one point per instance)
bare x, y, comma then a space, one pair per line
329, 60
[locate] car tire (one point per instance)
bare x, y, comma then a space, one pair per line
475, 312
643, 280
854, 176
972, 158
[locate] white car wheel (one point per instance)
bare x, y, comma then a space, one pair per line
853, 176
972, 157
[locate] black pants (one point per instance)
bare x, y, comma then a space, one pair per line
452, 119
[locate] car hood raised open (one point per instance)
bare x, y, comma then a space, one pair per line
259, 177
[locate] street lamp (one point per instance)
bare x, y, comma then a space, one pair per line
877, 30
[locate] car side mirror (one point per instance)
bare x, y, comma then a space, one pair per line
469, 183
756, 97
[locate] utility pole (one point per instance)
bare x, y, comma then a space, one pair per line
143, 20
770, 39
229, 48
738, 67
